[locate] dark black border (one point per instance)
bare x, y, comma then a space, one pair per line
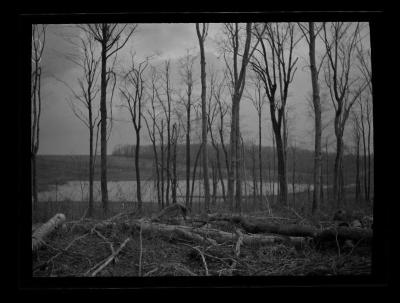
26, 17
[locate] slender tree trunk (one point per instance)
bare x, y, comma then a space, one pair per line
364, 156
269, 178
357, 167
232, 156
239, 159
293, 177
188, 128
253, 170
103, 129
34, 182
327, 170
281, 169
259, 154
156, 166
220, 175
196, 160
274, 167
369, 156
214, 183
318, 123
137, 168
174, 176
204, 125
162, 164
91, 165
338, 168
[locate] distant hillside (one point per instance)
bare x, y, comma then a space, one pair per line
304, 158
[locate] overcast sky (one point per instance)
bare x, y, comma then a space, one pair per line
63, 133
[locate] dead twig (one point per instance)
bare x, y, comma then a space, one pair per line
201, 255
104, 238
110, 258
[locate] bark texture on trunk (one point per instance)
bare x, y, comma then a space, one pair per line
318, 125
103, 125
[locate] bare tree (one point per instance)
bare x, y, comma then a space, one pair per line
186, 71
152, 134
164, 97
214, 107
237, 76
85, 97
201, 35
365, 107
340, 43
310, 34
109, 36
38, 44
258, 100
133, 94
276, 69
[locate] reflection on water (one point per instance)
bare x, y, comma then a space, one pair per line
126, 190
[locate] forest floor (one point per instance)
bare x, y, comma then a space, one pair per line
77, 250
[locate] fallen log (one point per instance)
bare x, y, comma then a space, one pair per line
213, 236
172, 231
258, 226
293, 230
344, 233
44, 230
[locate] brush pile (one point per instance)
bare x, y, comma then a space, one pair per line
171, 243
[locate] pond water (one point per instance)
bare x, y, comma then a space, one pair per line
121, 191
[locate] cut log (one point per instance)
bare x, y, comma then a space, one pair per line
44, 230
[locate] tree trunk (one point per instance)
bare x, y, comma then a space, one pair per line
293, 177
34, 182
194, 174
259, 154
232, 155
318, 126
327, 170
281, 169
338, 168
137, 168
369, 160
204, 124
162, 163
238, 166
188, 152
364, 155
174, 177
91, 166
274, 167
358, 185
103, 130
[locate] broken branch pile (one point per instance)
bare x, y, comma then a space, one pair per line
237, 233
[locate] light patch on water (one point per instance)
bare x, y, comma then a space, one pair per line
121, 191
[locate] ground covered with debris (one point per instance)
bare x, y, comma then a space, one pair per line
133, 245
